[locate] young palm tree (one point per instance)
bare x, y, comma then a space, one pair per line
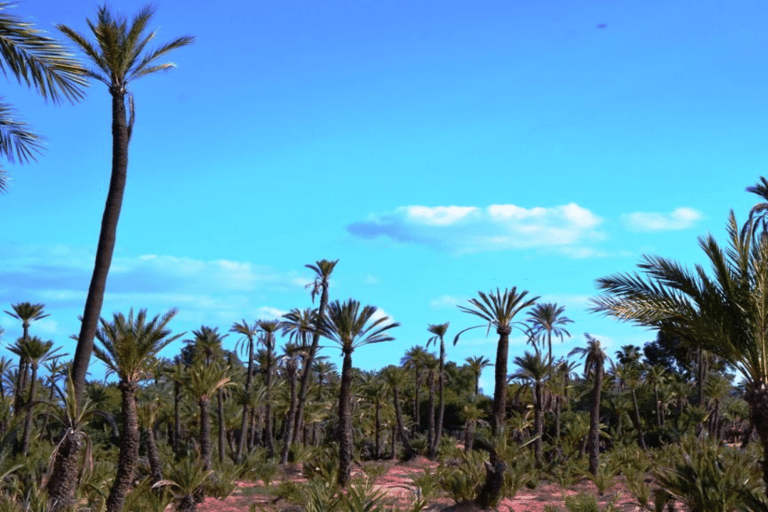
499, 310
351, 327
547, 319
476, 366
202, 382
438, 331
323, 270
40, 63
534, 371
27, 313
118, 57
34, 351
129, 348
594, 360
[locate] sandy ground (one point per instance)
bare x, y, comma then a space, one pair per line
397, 484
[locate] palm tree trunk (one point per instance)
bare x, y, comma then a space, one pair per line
636, 418
345, 420
155, 466
400, 427
307, 370
593, 440
757, 398
377, 433
538, 421
28, 418
66, 471
21, 384
268, 427
129, 449
495, 469
289, 418
176, 416
244, 423
431, 416
441, 398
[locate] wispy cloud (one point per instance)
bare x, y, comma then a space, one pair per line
677, 219
446, 301
568, 229
205, 291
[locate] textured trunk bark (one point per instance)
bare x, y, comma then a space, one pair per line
757, 398
269, 442
155, 466
129, 449
400, 428
244, 423
61, 492
345, 420
21, 384
67, 470
494, 477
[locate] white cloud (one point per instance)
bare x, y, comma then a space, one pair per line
371, 279
568, 229
678, 219
446, 301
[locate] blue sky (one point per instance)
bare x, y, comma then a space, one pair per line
434, 148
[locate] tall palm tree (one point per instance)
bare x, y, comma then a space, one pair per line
432, 367
547, 319
414, 360
129, 348
499, 310
118, 57
41, 63
268, 329
630, 372
290, 361
323, 270
300, 327
351, 327
476, 366
438, 331
533, 371
594, 360
249, 331
27, 313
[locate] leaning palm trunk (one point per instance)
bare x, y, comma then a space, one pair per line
67, 470
431, 441
289, 418
400, 428
129, 449
538, 421
222, 427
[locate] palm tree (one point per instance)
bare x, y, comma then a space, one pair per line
249, 332
499, 310
129, 348
40, 63
374, 390
723, 313
118, 58
629, 371
268, 328
547, 319
438, 331
323, 270
290, 361
414, 360
432, 366
532, 370
300, 327
351, 327
34, 351
27, 313
655, 376
476, 366
202, 382
395, 378
594, 359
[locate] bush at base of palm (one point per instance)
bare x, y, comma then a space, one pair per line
707, 477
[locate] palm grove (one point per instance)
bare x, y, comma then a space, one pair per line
164, 430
